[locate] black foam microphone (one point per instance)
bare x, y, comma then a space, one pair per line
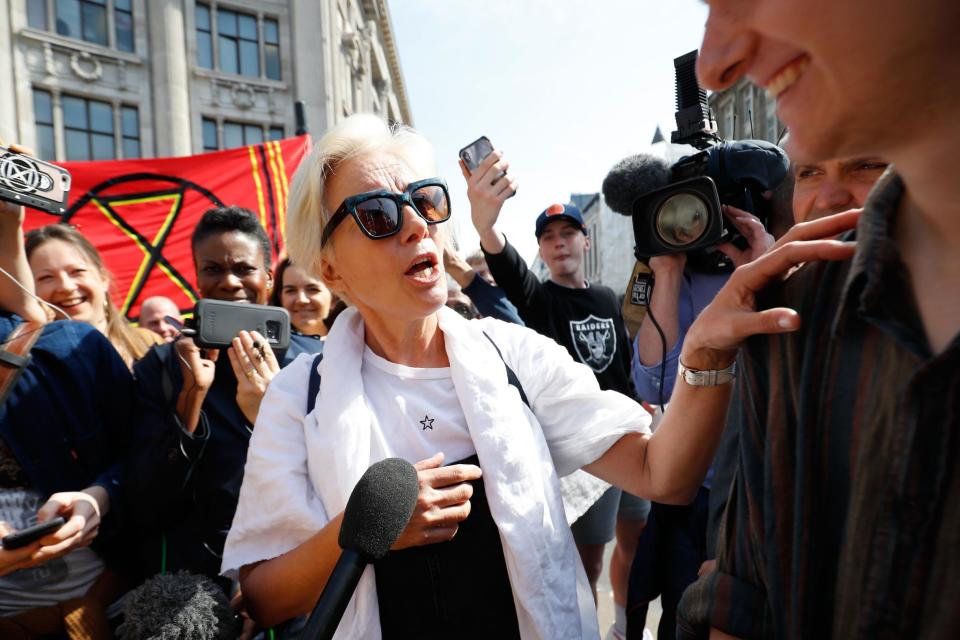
377, 512
633, 177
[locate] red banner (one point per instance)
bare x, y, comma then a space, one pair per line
140, 214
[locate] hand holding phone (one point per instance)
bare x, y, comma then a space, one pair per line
488, 187
23, 537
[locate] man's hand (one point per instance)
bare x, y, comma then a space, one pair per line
198, 370
254, 364
14, 559
82, 511
458, 268
752, 230
443, 503
487, 189
731, 317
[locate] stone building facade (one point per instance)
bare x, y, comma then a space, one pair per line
105, 79
744, 111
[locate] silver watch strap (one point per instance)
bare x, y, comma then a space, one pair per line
709, 377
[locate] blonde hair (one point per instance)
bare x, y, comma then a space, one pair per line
358, 135
131, 342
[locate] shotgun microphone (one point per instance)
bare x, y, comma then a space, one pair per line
377, 512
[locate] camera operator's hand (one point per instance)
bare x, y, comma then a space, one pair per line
753, 232
731, 317
198, 369
668, 265
254, 364
487, 189
82, 511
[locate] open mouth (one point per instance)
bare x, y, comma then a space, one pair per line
787, 76
424, 267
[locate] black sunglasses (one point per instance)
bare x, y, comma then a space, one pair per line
379, 214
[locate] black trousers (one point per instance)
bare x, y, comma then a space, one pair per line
454, 589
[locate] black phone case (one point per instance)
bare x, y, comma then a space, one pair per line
24, 537
218, 322
475, 152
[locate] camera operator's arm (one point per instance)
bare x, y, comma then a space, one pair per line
13, 260
650, 357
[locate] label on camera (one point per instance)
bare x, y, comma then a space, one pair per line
641, 289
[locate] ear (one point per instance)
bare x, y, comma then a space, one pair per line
330, 276
586, 243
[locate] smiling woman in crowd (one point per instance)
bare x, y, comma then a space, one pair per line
404, 376
308, 300
68, 272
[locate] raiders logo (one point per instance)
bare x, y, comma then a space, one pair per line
595, 340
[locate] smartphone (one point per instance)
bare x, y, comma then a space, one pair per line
33, 183
216, 323
23, 537
475, 152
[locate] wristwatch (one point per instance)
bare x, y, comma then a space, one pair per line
708, 378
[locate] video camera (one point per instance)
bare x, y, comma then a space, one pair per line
677, 209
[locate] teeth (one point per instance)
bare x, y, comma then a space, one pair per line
785, 79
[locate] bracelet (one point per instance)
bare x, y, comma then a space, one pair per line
709, 377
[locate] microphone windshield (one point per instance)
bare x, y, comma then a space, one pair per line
379, 508
177, 605
631, 178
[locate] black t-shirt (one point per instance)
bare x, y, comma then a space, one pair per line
588, 322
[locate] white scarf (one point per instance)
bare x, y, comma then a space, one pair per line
344, 438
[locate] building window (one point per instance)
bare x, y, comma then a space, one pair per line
130, 132
729, 121
123, 24
237, 134
240, 43
773, 128
37, 14
204, 37
271, 48
89, 132
210, 135
43, 118
747, 129
86, 20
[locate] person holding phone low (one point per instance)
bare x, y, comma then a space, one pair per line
63, 436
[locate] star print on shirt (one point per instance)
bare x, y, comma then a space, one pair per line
427, 423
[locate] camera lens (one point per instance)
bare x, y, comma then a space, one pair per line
682, 219
273, 331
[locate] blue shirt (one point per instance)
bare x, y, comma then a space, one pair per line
67, 421
491, 301
696, 292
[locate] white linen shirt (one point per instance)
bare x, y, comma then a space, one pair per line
301, 469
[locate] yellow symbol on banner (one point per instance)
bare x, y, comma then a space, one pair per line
141, 274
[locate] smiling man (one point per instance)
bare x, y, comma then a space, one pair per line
842, 520
831, 186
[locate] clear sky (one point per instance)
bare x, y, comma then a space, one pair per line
565, 88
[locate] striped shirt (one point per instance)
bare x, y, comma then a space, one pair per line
843, 519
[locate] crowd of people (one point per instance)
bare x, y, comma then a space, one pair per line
793, 479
